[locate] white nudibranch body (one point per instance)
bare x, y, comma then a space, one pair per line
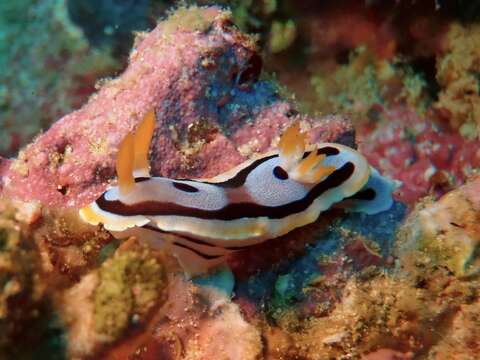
202, 221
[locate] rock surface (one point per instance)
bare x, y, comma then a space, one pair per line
448, 230
202, 77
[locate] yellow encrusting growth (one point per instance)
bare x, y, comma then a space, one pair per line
131, 283
124, 166
143, 138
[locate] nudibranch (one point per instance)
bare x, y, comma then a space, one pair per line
201, 221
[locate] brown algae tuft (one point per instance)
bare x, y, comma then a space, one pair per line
24, 306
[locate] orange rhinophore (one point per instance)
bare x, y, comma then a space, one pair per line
143, 138
124, 165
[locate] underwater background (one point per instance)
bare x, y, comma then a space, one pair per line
398, 80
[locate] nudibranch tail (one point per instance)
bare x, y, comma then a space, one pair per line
124, 165
375, 196
143, 138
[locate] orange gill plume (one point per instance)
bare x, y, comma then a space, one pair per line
292, 146
311, 169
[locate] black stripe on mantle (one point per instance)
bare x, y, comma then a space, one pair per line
239, 179
232, 211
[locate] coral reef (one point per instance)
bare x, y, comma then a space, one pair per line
28, 325
17, 264
389, 312
401, 284
213, 110
447, 230
194, 324
416, 301
109, 300
130, 283
271, 20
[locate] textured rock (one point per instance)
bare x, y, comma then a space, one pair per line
202, 77
448, 230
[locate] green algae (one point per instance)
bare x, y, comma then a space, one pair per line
47, 60
285, 294
107, 251
282, 35
190, 19
131, 283
366, 81
221, 279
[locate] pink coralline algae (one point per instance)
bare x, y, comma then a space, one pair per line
202, 77
427, 158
